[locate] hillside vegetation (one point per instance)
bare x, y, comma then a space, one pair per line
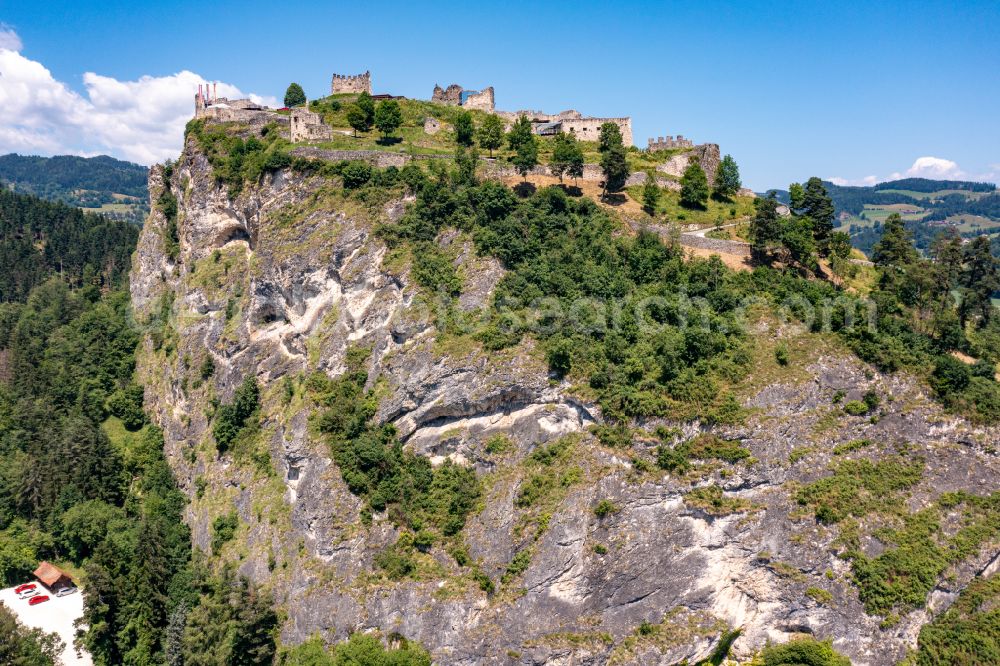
930, 208
111, 186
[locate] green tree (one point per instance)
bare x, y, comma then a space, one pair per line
694, 186
803, 652
818, 207
465, 129
567, 156
614, 166
979, 281
610, 135
294, 95
525, 146
614, 163
840, 244
727, 178
358, 119
491, 133
365, 102
520, 132
797, 237
796, 197
20, 646
388, 117
765, 228
650, 194
894, 254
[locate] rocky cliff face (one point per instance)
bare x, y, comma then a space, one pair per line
279, 282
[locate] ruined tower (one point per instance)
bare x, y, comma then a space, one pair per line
346, 83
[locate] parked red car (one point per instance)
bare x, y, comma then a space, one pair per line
34, 601
21, 588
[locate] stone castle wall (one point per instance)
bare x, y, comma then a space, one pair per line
589, 129
308, 126
707, 155
452, 95
482, 100
345, 83
661, 143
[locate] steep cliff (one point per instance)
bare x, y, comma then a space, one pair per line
616, 561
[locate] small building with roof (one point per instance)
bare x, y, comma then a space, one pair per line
52, 576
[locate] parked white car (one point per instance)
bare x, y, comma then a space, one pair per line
65, 591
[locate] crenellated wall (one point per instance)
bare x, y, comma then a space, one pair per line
348, 83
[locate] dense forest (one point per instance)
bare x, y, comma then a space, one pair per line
39, 239
83, 479
928, 185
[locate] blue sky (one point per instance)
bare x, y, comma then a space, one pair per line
835, 89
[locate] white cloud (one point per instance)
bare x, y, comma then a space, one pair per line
935, 168
867, 180
141, 120
8, 38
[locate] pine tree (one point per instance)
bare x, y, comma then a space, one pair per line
614, 163
980, 280
895, 248
294, 96
694, 186
650, 194
818, 207
491, 133
256, 626
464, 129
727, 178
765, 228
173, 636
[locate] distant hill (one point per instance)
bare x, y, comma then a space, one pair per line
928, 206
112, 187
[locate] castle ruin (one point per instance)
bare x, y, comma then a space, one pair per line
456, 95
584, 128
308, 126
207, 104
668, 143
346, 83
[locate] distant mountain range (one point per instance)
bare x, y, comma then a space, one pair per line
928, 206
99, 184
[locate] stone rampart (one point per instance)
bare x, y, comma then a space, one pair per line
668, 143
373, 157
738, 248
